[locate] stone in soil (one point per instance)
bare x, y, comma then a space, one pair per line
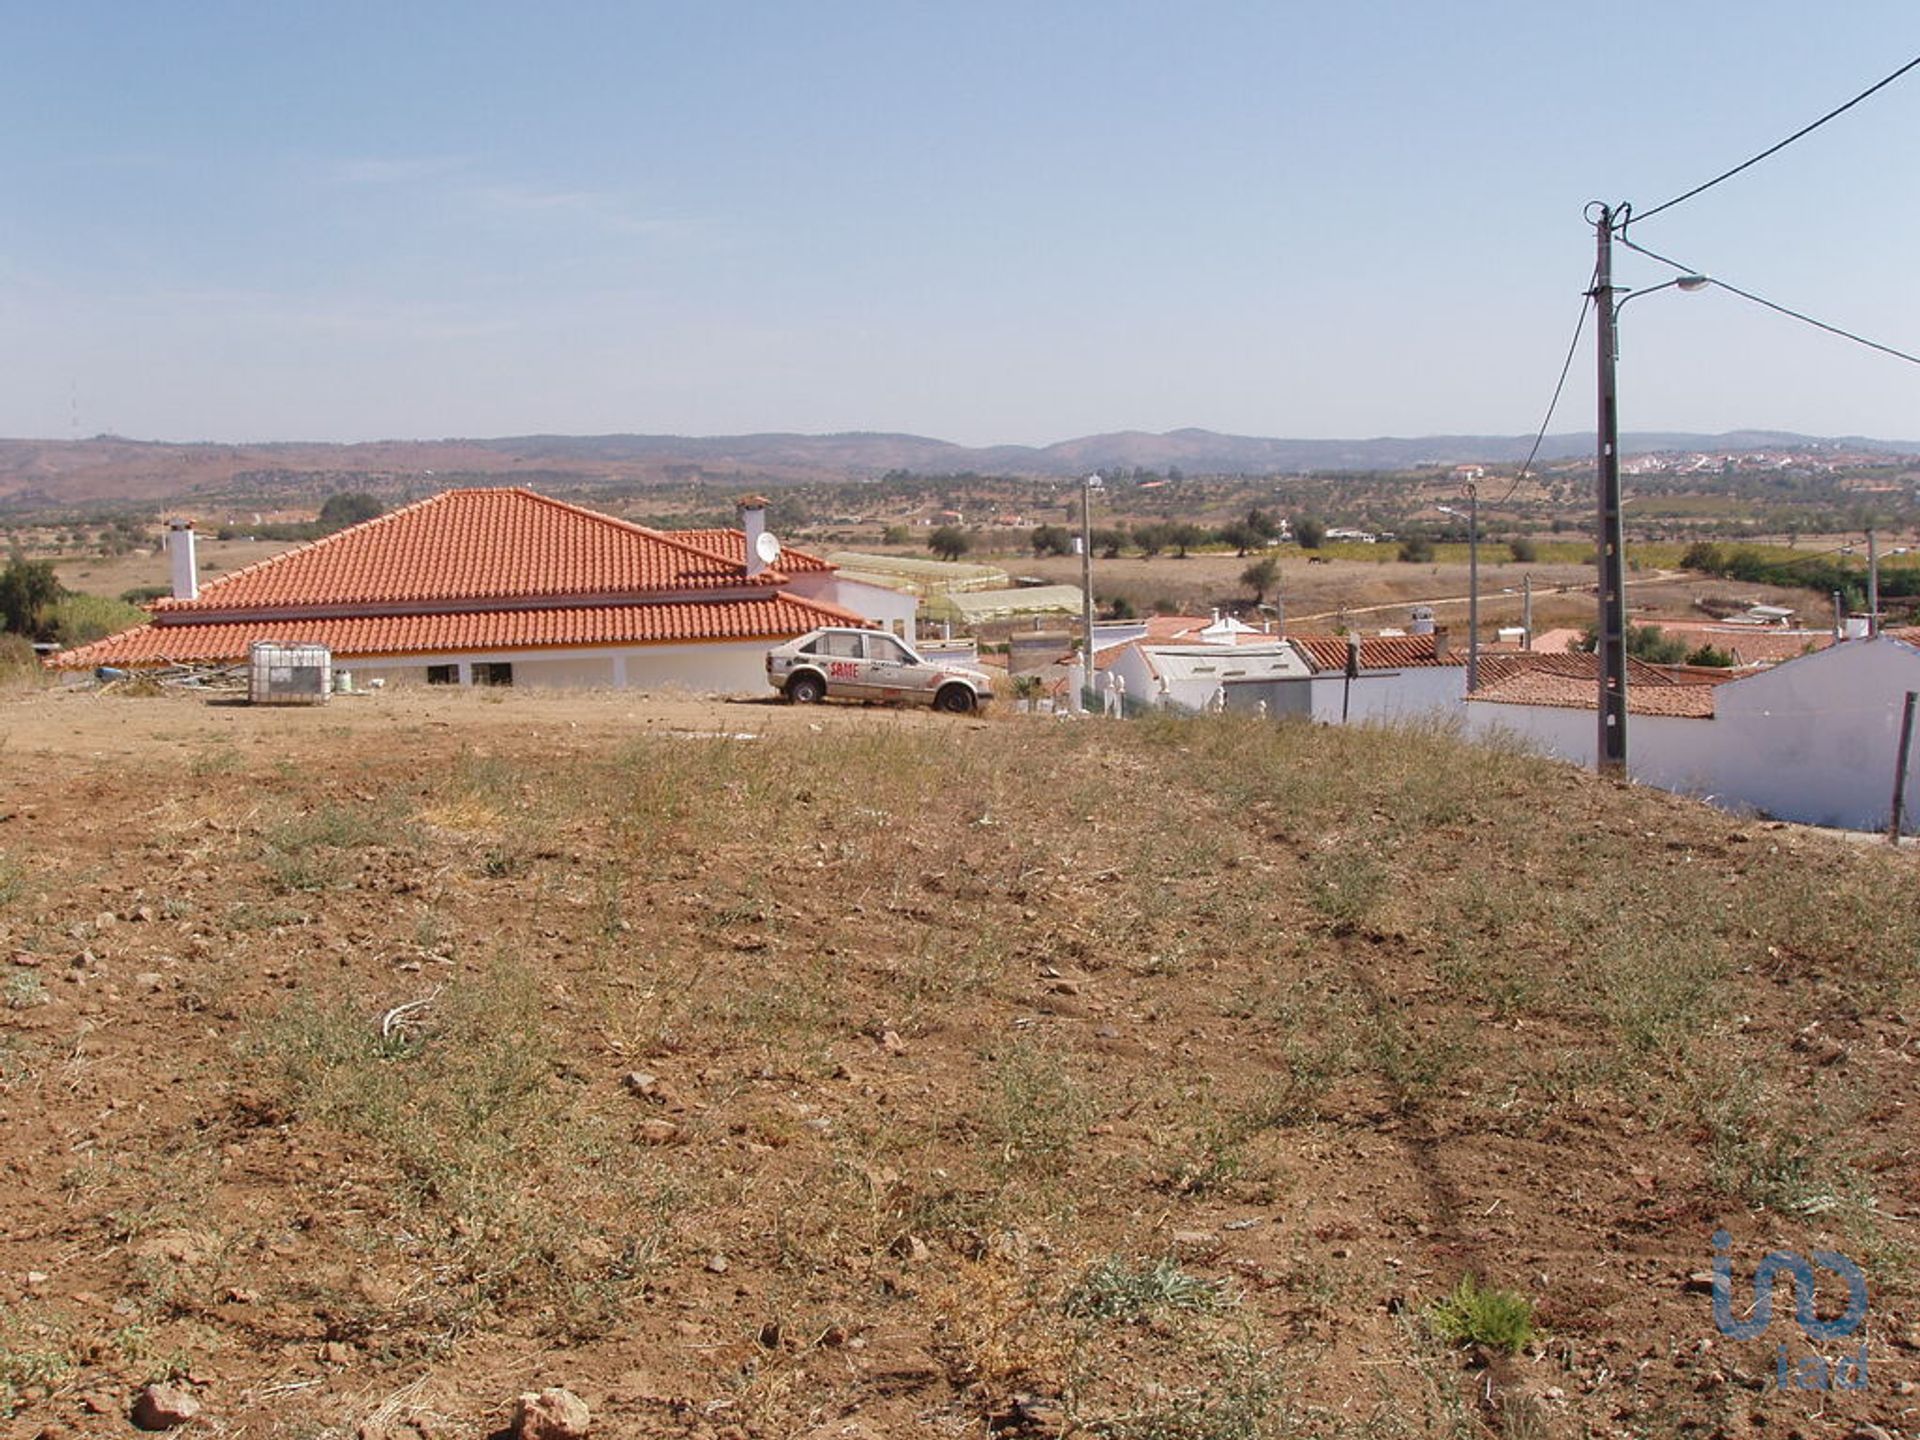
553, 1414
163, 1407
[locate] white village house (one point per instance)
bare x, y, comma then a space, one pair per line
505, 586
1812, 739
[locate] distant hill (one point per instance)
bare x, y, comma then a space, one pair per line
111, 468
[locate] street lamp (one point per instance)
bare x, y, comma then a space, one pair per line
1611, 744
1472, 517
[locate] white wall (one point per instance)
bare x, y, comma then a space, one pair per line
1812, 740
1815, 739
894, 609
1142, 687
1664, 751
1384, 696
730, 668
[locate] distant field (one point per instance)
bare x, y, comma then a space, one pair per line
114, 575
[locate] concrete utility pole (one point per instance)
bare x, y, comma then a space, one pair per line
1472, 518
1086, 589
1873, 584
1900, 767
1611, 647
1526, 610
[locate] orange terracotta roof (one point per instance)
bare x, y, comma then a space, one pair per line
1557, 642
474, 545
1574, 665
778, 616
731, 545
1572, 692
1748, 644
1377, 652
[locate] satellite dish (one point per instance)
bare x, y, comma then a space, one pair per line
767, 547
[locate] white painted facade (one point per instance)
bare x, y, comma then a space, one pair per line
1814, 739
1811, 740
1386, 697
736, 667
1187, 676
895, 609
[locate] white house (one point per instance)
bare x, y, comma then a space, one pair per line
1814, 739
1811, 739
504, 586
1187, 676
1397, 677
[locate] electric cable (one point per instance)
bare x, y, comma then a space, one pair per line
1586, 304
1805, 130
1771, 305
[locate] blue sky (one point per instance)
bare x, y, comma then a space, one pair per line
992, 222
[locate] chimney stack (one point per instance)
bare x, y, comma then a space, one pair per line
186, 570
1441, 649
753, 520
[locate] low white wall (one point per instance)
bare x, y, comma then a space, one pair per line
731, 668
1815, 739
1662, 750
1418, 692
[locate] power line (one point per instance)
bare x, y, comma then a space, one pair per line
1772, 149
1586, 304
1770, 305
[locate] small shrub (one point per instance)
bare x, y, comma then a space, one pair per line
1473, 1315
24, 990
1114, 1289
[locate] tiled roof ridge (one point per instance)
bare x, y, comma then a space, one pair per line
211, 596
169, 602
666, 537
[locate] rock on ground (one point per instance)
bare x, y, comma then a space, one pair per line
555, 1414
162, 1407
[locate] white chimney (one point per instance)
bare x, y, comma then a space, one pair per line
753, 520
186, 572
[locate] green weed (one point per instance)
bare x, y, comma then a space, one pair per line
1477, 1315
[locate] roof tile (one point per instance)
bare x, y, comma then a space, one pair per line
1377, 652
475, 545
778, 616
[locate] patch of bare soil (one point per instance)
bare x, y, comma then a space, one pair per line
759, 1071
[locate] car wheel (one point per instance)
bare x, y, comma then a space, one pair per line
955, 700
806, 690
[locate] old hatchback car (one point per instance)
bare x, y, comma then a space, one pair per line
848, 664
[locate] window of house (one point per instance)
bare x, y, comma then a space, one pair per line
443, 674
487, 672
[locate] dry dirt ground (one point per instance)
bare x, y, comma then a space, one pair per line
889, 1074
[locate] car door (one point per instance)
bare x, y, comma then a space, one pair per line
843, 657
894, 672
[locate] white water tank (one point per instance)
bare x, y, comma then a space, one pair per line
280, 674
